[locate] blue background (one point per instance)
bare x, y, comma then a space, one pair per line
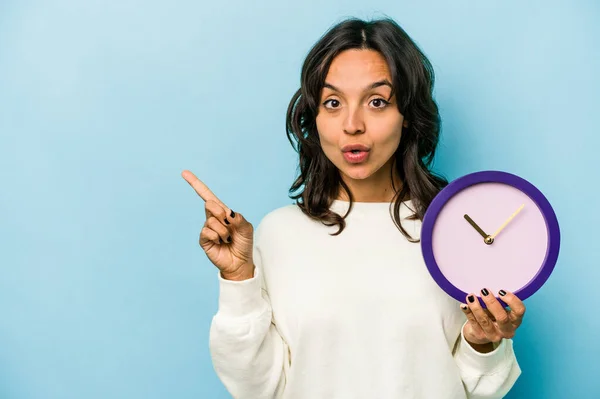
104, 291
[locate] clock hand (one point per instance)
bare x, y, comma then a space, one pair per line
507, 221
472, 223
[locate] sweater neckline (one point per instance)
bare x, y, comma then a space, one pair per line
355, 203
406, 207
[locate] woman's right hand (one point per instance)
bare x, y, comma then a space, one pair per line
226, 237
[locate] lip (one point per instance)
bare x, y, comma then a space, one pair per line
356, 158
351, 147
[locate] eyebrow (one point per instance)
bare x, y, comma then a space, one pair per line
379, 83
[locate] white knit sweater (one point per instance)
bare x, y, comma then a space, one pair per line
353, 316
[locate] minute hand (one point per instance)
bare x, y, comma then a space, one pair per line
507, 221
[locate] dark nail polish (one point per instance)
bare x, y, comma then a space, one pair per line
226, 221
228, 238
232, 214
485, 292
471, 298
502, 292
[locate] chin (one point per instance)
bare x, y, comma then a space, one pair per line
358, 172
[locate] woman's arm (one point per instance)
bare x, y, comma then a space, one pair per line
486, 375
248, 353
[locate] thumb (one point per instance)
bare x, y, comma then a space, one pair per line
467, 311
240, 224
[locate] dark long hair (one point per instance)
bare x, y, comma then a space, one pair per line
412, 78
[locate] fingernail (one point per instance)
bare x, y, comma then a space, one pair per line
232, 214
226, 221
502, 292
228, 238
485, 292
471, 298
463, 307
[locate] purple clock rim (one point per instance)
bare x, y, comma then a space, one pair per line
491, 176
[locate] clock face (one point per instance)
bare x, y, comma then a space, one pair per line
520, 226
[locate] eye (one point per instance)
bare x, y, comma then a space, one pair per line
334, 103
380, 103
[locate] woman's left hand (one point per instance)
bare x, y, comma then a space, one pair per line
495, 322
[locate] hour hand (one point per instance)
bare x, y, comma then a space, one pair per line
472, 223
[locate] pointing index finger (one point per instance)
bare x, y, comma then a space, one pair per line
201, 189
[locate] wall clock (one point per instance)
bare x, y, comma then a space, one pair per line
490, 229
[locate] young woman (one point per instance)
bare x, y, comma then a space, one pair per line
330, 297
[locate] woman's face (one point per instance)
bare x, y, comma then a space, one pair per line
356, 108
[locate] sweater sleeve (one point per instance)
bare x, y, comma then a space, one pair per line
486, 375
248, 353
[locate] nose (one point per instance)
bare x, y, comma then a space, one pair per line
354, 122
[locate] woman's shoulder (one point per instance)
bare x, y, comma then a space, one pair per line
282, 214
281, 219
